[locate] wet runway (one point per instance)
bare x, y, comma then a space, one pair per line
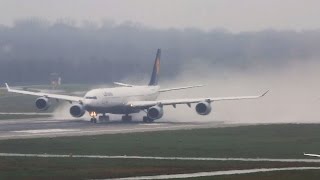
33, 128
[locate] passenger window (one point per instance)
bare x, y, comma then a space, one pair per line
108, 94
91, 97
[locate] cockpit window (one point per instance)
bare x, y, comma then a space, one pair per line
91, 97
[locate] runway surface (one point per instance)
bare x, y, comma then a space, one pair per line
48, 127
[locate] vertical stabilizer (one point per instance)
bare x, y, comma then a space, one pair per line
156, 69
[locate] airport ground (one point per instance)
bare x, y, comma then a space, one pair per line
23, 135
284, 141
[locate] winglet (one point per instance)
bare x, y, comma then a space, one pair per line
264, 93
8, 88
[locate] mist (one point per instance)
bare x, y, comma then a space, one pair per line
33, 48
293, 97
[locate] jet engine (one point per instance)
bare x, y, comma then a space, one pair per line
42, 103
155, 112
203, 108
77, 110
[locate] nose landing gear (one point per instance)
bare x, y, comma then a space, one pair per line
93, 120
93, 117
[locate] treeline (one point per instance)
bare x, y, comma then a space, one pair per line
32, 49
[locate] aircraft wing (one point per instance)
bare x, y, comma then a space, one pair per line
47, 95
312, 155
146, 104
179, 88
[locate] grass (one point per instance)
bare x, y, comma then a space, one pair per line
77, 168
268, 141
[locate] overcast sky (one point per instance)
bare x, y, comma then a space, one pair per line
233, 15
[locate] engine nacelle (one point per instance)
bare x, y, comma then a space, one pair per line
77, 110
155, 112
203, 108
42, 103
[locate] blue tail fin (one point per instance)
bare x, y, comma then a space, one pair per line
156, 68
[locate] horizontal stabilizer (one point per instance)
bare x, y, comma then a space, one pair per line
123, 84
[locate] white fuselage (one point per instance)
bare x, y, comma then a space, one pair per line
115, 100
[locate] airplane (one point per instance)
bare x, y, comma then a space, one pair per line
127, 99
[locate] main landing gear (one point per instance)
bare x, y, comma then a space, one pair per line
126, 118
104, 118
146, 119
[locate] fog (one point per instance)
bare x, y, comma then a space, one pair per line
34, 48
235, 16
293, 97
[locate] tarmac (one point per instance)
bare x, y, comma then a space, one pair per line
50, 127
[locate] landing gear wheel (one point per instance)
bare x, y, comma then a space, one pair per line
146, 119
126, 118
104, 118
93, 117
93, 120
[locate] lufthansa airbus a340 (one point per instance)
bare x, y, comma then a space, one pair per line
127, 99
